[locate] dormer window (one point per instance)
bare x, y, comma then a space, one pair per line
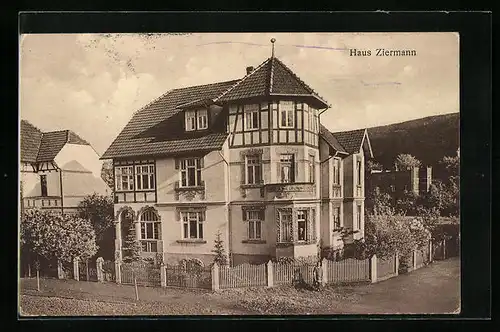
196, 120
252, 117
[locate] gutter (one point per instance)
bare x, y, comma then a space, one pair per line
61, 188
228, 207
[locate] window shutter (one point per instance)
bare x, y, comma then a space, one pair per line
243, 173
278, 172
177, 215
296, 168
262, 215
177, 161
202, 164
244, 214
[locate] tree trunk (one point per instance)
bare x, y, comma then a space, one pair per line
136, 290
37, 280
87, 269
29, 270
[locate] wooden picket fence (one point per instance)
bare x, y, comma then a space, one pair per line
188, 277
287, 273
244, 275
146, 275
348, 271
386, 267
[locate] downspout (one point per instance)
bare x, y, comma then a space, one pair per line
228, 208
61, 189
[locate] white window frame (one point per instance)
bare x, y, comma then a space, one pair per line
254, 218
141, 171
202, 119
336, 171
358, 172
184, 168
120, 176
190, 120
43, 184
255, 163
337, 224
287, 108
359, 214
150, 231
287, 160
285, 237
192, 216
302, 217
252, 111
312, 168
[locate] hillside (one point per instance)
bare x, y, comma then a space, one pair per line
428, 139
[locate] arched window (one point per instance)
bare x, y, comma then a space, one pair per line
150, 230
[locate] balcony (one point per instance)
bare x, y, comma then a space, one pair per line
190, 193
277, 191
46, 202
336, 191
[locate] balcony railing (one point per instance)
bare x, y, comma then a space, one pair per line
42, 202
290, 190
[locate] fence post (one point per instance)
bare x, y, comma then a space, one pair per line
373, 268
396, 263
163, 275
415, 259
444, 248
76, 272
60, 271
324, 270
270, 274
118, 271
215, 277
98, 265
430, 251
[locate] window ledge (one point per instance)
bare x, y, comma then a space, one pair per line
190, 188
252, 185
254, 241
191, 241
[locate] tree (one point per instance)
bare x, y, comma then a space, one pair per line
220, 253
406, 161
57, 236
99, 210
379, 203
372, 165
407, 203
131, 246
107, 175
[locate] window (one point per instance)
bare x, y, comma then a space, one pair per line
336, 171
302, 225
202, 119
287, 114
358, 216
287, 168
312, 168
285, 226
254, 218
150, 231
254, 170
190, 172
252, 117
145, 177
190, 120
43, 185
358, 171
192, 223
124, 178
336, 218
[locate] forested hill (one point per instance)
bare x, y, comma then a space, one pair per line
428, 139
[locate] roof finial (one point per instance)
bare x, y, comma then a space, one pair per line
272, 42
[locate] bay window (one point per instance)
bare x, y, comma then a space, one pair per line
190, 172
302, 225
285, 225
124, 178
312, 169
192, 224
252, 117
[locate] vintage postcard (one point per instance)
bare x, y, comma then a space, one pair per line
239, 174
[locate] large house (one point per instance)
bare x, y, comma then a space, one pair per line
246, 158
58, 169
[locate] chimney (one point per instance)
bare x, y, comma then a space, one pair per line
249, 70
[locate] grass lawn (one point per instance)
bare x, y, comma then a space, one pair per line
432, 289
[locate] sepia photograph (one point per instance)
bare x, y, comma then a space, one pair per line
166, 174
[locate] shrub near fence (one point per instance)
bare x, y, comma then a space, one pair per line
108, 270
348, 270
146, 275
244, 275
188, 277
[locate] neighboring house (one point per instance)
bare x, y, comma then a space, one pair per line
58, 169
247, 158
416, 179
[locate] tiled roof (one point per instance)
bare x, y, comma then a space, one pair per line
54, 141
330, 139
270, 77
158, 127
37, 146
31, 138
351, 140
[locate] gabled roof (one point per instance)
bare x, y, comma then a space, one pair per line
158, 127
37, 146
31, 137
272, 77
353, 140
330, 139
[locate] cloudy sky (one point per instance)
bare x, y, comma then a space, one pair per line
92, 84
